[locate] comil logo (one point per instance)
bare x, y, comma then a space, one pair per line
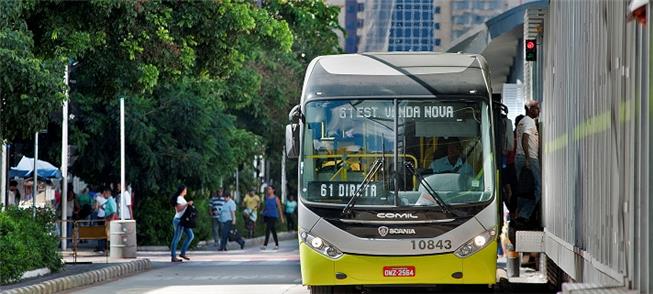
391, 215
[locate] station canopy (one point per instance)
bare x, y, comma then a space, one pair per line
497, 39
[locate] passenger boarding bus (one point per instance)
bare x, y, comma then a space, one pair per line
397, 171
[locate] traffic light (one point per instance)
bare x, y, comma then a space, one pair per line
531, 50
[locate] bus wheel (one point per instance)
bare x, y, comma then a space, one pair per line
321, 289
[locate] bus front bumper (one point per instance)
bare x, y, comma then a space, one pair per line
479, 268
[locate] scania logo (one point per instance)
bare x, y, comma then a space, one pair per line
395, 215
384, 231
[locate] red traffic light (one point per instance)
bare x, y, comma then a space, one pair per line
530, 44
530, 53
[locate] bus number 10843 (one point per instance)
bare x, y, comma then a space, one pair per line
430, 244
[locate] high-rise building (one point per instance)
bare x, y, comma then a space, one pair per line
399, 25
466, 14
412, 25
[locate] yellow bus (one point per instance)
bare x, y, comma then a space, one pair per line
397, 171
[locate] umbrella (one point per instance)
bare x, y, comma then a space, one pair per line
25, 169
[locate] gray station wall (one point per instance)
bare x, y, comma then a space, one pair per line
595, 137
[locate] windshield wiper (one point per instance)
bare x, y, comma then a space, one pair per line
376, 166
446, 208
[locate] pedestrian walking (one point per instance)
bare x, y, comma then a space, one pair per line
180, 204
251, 203
228, 221
271, 213
215, 206
290, 209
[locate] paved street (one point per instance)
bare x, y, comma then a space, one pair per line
239, 271
245, 271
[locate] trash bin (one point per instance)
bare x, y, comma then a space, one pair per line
122, 239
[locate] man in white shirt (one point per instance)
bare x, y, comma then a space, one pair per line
527, 156
126, 202
99, 203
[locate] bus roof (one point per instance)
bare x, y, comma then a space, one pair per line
386, 74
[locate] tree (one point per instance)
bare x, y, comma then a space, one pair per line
207, 85
182, 68
313, 25
30, 85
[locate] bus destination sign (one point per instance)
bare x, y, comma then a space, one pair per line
426, 111
344, 189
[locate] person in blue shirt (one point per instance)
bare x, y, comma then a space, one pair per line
290, 209
110, 206
110, 209
228, 220
452, 162
272, 211
215, 206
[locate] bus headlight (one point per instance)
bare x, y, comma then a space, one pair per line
477, 243
319, 245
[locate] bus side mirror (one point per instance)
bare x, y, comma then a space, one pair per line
292, 141
295, 115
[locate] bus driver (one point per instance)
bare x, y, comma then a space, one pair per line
452, 162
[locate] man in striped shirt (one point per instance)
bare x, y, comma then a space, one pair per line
215, 207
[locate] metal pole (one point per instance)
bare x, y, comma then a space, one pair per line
64, 164
36, 171
396, 151
284, 192
122, 158
3, 177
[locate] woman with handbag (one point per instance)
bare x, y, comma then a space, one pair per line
180, 204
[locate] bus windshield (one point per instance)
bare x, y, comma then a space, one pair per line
424, 146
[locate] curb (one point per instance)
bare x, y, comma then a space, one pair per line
84, 279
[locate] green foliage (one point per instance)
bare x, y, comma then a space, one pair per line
30, 85
313, 25
27, 243
207, 85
